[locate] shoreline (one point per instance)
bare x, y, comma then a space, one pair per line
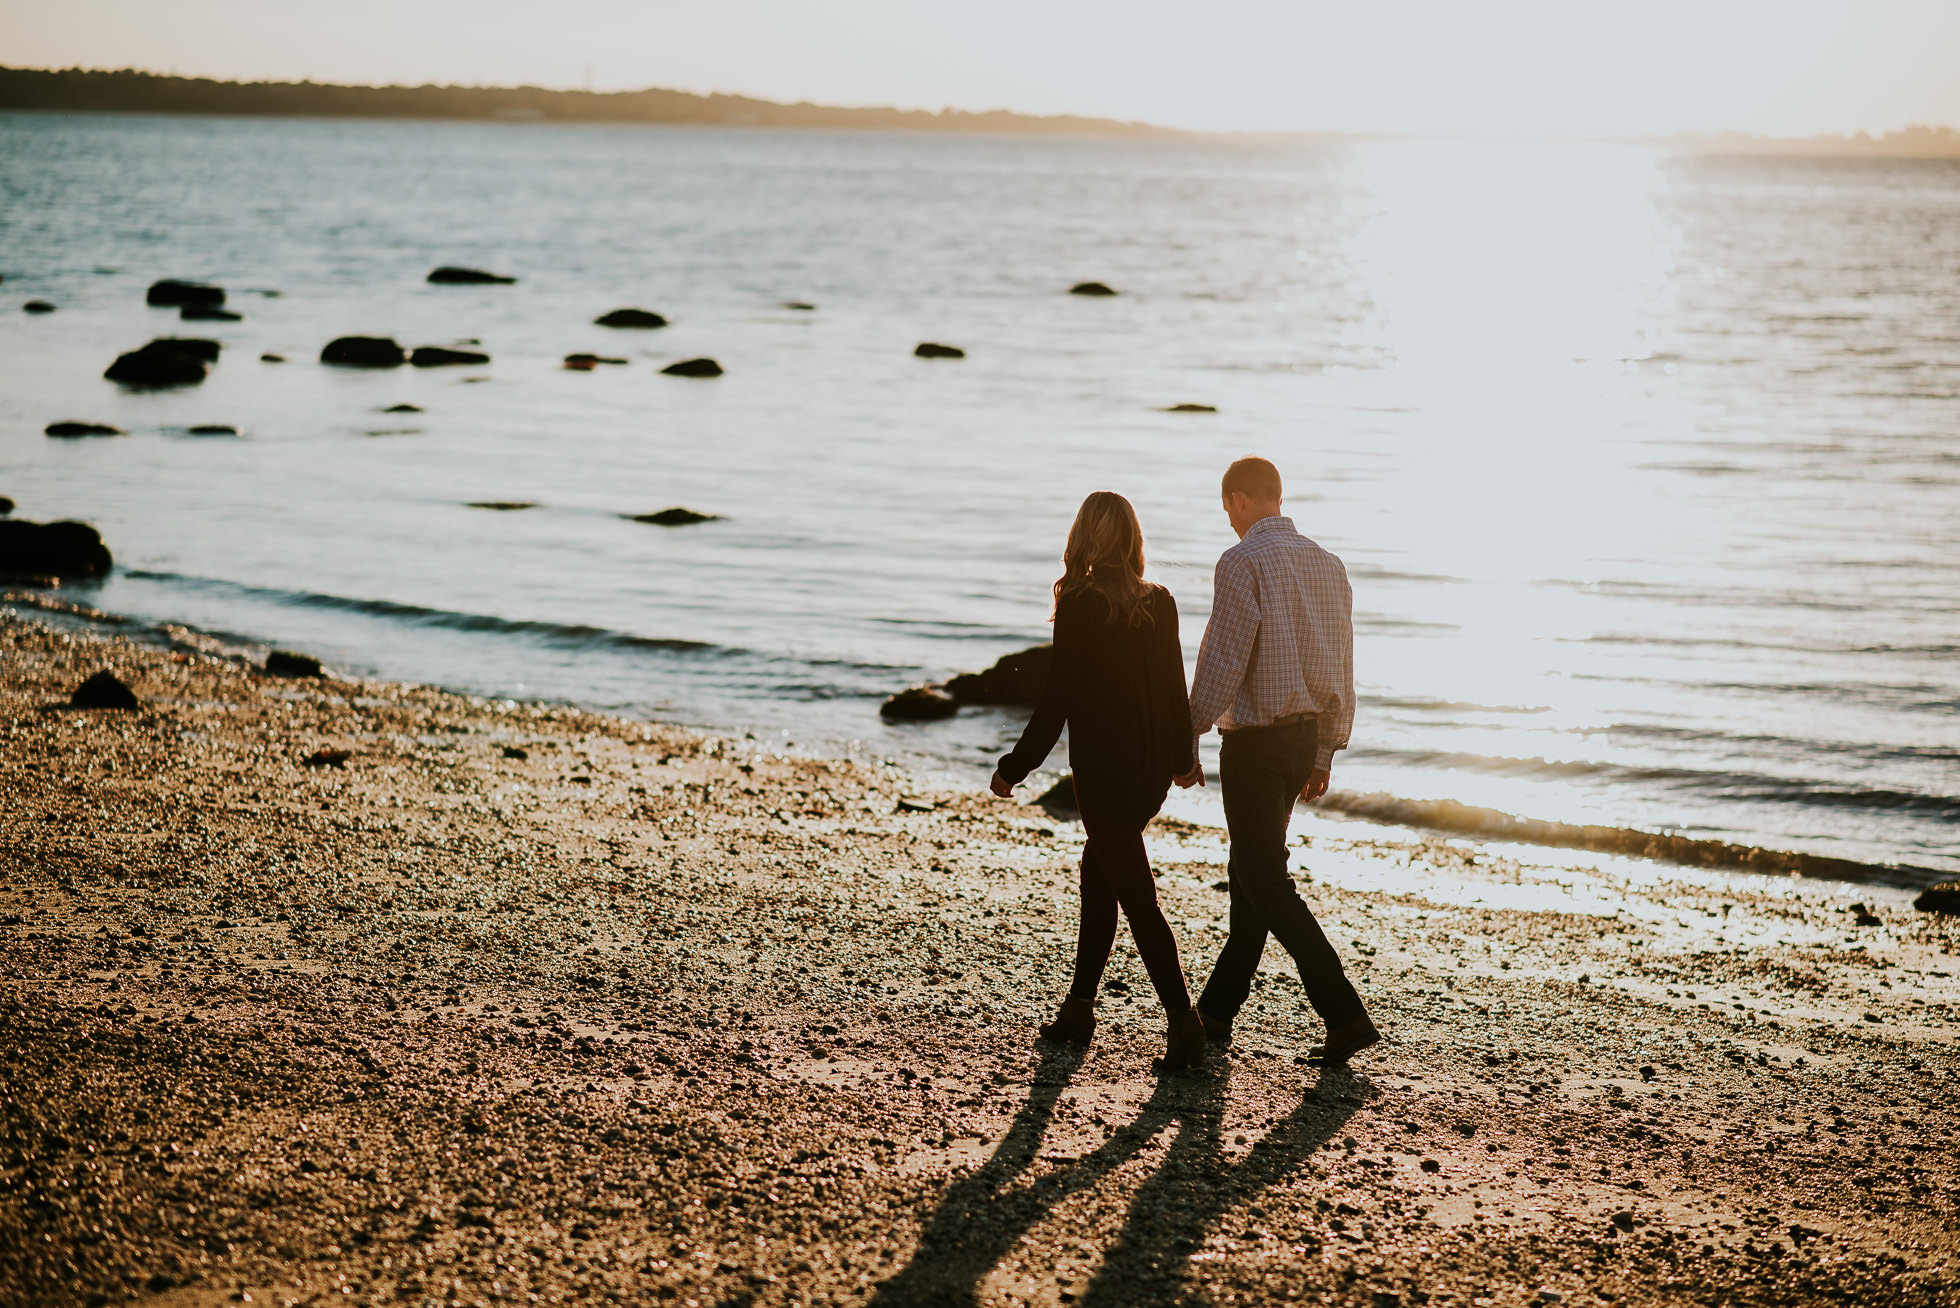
519, 1003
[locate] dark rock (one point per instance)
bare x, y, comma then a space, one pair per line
630, 318
167, 361
287, 663
52, 549
517, 752
1059, 798
364, 352
800, 306
214, 429
1943, 898
448, 276
502, 506
1090, 288
327, 758
208, 313
272, 358
588, 359
169, 292
37, 306
82, 429
104, 690
928, 350
6, 506
1192, 408
581, 365
693, 368
435, 356
1868, 920
1018, 679
403, 408
919, 704
675, 517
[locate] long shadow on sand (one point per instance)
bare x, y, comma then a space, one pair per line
983, 1216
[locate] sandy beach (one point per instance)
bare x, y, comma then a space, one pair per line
515, 1004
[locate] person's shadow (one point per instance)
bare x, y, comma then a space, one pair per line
984, 1215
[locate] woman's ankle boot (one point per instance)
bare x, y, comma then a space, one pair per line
1073, 1024
1184, 1041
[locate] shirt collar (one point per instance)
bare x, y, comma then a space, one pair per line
1278, 522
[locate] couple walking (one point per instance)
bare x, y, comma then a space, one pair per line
1275, 675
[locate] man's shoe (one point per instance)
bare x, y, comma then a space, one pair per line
1347, 1040
1074, 1024
1217, 1034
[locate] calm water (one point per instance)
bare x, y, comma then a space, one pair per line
1646, 468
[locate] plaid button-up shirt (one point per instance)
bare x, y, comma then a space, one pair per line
1280, 640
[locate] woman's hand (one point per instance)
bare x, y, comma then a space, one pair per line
1001, 786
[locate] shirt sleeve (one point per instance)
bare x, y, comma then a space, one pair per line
1227, 646
1045, 727
1342, 724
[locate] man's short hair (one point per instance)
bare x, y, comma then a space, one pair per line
1253, 477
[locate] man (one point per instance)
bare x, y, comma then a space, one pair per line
1276, 674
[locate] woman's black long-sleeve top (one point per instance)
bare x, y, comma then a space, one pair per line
1121, 691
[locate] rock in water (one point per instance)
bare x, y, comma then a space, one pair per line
82, 429
208, 313
287, 663
448, 276
630, 318
37, 306
675, 517
104, 690
52, 549
167, 361
6, 506
693, 368
1090, 288
1060, 797
919, 704
436, 356
272, 358
1192, 408
1943, 898
403, 408
364, 352
170, 292
1018, 679
214, 429
502, 506
589, 360
928, 350
801, 306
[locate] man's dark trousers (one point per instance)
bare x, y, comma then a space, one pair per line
1262, 770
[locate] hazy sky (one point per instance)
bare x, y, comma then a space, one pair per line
1563, 67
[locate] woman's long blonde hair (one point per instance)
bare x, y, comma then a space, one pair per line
1105, 554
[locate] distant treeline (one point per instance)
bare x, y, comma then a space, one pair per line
129, 91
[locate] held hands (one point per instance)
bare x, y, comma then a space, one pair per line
1001, 786
1195, 777
1316, 784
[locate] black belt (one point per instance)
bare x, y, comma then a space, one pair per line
1292, 721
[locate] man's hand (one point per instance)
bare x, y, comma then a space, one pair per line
1195, 777
1001, 786
1316, 784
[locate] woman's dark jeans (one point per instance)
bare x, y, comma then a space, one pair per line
1116, 872
1262, 770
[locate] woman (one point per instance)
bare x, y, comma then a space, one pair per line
1118, 682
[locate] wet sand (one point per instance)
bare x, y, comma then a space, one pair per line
646, 1017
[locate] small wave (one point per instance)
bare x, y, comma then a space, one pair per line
558, 633
1449, 705
1489, 824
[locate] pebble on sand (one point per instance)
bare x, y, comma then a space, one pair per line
104, 690
930, 350
693, 368
674, 517
364, 352
37, 306
919, 704
171, 292
82, 429
289, 663
437, 356
452, 276
630, 318
327, 758
1091, 288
